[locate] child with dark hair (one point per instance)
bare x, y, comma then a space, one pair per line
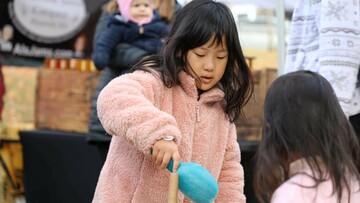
179, 105
137, 24
309, 150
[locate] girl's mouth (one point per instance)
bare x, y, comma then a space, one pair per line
206, 80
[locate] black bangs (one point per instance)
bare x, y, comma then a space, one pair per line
201, 22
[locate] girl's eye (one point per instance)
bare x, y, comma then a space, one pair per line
222, 57
200, 55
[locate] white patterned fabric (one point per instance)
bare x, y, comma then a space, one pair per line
325, 38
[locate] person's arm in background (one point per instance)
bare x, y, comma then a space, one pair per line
339, 54
116, 32
105, 44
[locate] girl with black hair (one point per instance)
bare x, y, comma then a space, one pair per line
181, 105
309, 150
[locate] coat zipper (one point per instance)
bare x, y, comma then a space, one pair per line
197, 112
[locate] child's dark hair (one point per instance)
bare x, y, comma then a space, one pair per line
303, 119
193, 27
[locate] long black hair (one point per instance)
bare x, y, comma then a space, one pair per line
194, 25
303, 119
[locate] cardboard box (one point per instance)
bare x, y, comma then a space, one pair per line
250, 126
64, 99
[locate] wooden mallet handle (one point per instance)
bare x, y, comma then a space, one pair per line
173, 187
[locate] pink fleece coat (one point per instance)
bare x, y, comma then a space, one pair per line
139, 110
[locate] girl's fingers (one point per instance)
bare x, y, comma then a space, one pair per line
176, 161
165, 160
159, 158
154, 154
163, 151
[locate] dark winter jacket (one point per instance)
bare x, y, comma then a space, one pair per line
148, 37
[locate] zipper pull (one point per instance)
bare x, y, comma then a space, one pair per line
197, 113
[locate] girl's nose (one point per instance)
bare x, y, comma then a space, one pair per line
209, 65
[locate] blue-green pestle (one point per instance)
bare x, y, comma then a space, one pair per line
195, 182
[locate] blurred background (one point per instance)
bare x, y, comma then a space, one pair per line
47, 80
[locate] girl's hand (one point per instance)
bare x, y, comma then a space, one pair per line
163, 151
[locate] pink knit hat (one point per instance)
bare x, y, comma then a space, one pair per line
125, 11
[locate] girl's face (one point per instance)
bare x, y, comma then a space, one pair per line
208, 63
140, 9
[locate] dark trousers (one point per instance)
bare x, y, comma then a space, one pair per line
103, 148
355, 122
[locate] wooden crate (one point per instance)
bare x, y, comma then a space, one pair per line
250, 126
19, 100
64, 99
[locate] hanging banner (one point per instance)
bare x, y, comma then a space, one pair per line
48, 28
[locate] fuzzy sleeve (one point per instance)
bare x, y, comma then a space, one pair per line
129, 106
231, 179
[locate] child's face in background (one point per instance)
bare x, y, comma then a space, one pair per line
208, 63
7, 32
140, 9
80, 43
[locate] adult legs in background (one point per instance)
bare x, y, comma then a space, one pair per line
355, 121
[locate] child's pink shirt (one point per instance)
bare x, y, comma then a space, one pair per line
291, 191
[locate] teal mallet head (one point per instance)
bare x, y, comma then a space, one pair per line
195, 182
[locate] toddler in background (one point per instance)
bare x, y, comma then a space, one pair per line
137, 24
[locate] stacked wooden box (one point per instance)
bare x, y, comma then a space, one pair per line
249, 127
46, 99
64, 99
19, 100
